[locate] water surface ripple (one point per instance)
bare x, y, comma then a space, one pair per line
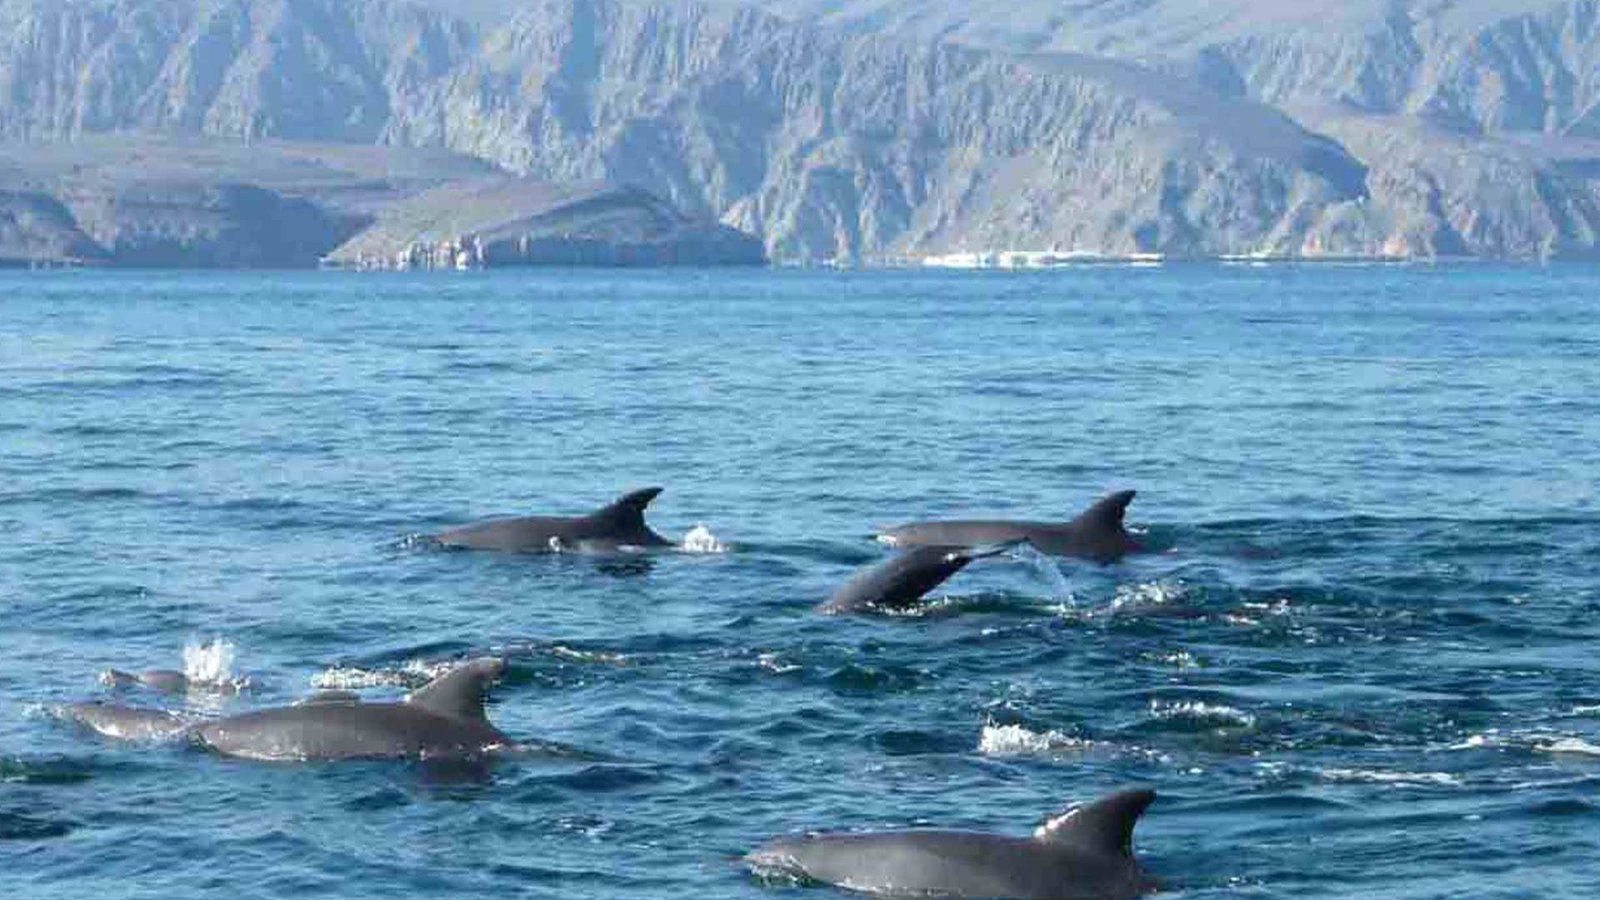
1362, 666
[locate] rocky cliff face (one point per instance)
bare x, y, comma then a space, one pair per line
1476, 119
143, 202
518, 222
35, 229
1189, 128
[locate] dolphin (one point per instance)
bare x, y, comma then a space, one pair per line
614, 527
1086, 854
443, 719
900, 581
1096, 534
167, 681
126, 723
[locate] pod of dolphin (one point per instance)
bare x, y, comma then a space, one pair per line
1086, 852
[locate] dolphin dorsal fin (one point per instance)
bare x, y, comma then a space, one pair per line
459, 692
629, 507
1105, 826
1107, 512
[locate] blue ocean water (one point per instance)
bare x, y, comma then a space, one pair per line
1363, 664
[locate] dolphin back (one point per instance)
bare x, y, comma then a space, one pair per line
617, 524
125, 723
952, 864
1086, 854
444, 719
1097, 533
901, 580
336, 731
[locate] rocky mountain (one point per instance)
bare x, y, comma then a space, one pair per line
872, 130
519, 222
1486, 65
139, 201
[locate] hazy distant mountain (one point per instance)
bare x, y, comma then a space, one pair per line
900, 127
1489, 64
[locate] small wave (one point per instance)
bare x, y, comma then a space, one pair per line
53, 771
1182, 660
562, 651
856, 679
411, 674
1568, 746
1554, 744
22, 827
701, 540
64, 495
1149, 598
1478, 742
1015, 740
1374, 776
1195, 712
770, 662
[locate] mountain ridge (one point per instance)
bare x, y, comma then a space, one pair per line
1260, 132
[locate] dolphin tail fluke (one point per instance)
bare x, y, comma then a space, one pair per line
459, 692
1105, 826
1107, 512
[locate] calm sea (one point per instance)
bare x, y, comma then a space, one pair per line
1366, 663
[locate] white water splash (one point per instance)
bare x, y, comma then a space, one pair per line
775, 664
561, 651
1015, 740
1202, 713
1478, 741
413, 673
1568, 746
1050, 571
210, 664
701, 540
1373, 776
1132, 599
1555, 744
1182, 660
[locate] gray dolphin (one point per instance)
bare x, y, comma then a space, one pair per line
126, 723
900, 581
1095, 534
165, 680
444, 719
170, 681
613, 527
1086, 854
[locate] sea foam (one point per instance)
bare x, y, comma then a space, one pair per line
701, 540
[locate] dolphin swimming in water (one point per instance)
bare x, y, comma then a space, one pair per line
1086, 854
616, 526
444, 719
167, 681
1095, 534
126, 723
901, 580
